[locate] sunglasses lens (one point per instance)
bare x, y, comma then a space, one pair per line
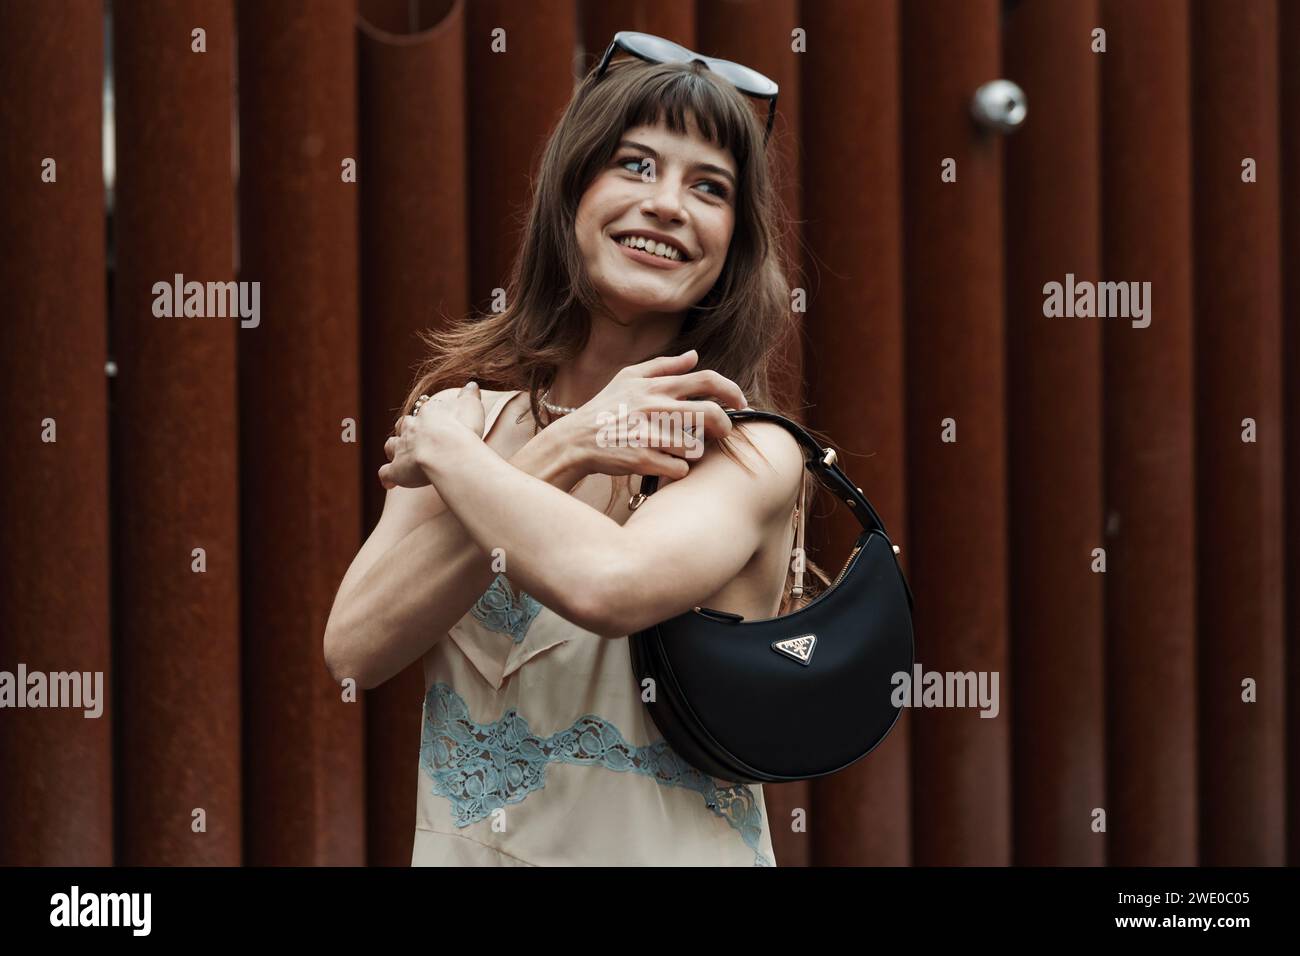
743, 78
655, 48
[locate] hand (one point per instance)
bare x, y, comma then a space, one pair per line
661, 427
415, 434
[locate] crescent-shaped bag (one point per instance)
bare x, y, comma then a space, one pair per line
792, 697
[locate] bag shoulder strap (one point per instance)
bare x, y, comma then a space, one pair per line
820, 461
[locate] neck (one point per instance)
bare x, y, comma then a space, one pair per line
612, 345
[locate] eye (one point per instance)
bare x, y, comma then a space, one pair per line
722, 191
639, 160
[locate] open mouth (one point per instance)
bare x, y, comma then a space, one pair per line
651, 250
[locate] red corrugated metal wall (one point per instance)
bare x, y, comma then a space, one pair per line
1144, 714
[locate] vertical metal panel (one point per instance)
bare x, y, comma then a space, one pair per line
1150, 586
1054, 419
175, 434
56, 783
413, 270
599, 20
1239, 483
1289, 186
854, 234
758, 33
514, 99
299, 381
954, 289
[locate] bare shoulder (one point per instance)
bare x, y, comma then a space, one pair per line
770, 466
781, 456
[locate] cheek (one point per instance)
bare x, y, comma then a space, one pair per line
588, 220
582, 219
587, 232
719, 238
721, 225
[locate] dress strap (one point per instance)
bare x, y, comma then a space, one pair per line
497, 408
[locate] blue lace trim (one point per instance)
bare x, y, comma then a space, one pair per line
499, 609
480, 767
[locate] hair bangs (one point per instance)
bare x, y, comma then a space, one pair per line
676, 93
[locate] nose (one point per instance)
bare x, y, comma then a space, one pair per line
664, 200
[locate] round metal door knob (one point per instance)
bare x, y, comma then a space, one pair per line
1000, 105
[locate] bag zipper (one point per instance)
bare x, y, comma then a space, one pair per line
840, 576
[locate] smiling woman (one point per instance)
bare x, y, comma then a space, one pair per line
648, 286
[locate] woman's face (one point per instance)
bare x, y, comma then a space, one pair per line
684, 198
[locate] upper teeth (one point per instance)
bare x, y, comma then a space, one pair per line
651, 246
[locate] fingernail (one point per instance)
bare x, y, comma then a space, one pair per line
471, 384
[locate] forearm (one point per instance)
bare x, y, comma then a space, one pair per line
559, 550
427, 581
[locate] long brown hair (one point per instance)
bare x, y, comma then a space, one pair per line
737, 328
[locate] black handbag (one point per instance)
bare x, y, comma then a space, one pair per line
792, 697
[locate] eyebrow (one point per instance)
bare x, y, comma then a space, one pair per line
708, 167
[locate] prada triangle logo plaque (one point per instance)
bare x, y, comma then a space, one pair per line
797, 648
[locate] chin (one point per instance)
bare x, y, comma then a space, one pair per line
648, 303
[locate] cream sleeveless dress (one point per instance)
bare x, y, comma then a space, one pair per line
536, 750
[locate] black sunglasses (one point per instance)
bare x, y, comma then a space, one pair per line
653, 49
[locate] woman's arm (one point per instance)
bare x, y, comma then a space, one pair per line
418, 572
681, 546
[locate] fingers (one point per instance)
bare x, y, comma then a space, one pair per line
469, 394
394, 475
706, 383
403, 423
665, 465
715, 422
680, 430
665, 365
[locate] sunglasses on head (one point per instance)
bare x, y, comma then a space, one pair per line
653, 49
